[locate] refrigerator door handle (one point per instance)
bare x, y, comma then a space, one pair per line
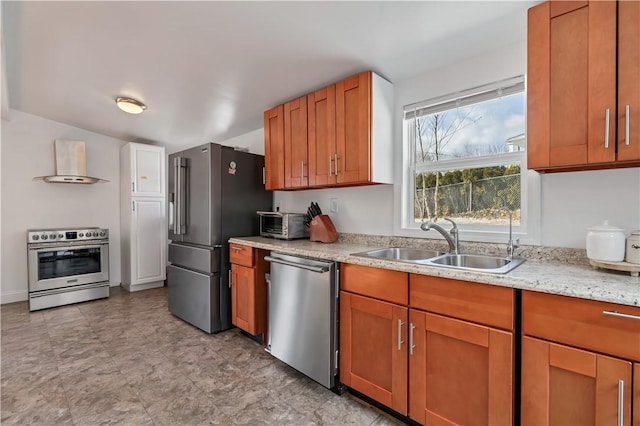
179, 205
174, 217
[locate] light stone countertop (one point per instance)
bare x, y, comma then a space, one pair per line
548, 277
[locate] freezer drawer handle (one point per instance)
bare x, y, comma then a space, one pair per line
318, 269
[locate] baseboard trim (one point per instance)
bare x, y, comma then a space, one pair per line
138, 287
16, 296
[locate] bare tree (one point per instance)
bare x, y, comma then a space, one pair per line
433, 133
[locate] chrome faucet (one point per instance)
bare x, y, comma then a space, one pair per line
451, 236
511, 246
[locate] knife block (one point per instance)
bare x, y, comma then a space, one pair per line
321, 229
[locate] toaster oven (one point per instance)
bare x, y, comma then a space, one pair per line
284, 226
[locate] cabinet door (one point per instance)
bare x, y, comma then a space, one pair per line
274, 148
628, 81
148, 171
322, 136
636, 394
148, 240
243, 298
296, 165
571, 84
353, 129
567, 386
460, 373
373, 349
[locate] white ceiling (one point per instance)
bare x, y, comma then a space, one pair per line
208, 70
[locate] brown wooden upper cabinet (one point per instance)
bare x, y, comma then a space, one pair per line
575, 121
339, 135
274, 148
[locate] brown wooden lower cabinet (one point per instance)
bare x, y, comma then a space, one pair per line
461, 373
373, 349
249, 290
636, 394
566, 386
432, 367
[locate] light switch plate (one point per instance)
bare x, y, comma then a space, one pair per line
333, 205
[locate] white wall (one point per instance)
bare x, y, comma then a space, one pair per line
361, 210
567, 205
573, 202
27, 151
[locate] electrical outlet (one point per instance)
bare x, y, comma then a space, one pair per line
333, 205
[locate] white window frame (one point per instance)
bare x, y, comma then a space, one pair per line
529, 228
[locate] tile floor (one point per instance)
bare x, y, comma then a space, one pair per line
126, 360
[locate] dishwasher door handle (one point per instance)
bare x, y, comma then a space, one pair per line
318, 269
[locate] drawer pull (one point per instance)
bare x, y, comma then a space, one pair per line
618, 314
400, 342
620, 402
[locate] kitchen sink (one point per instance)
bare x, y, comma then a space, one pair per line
403, 254
474, 262
469, 262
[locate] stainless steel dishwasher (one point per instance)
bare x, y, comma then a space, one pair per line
303, 307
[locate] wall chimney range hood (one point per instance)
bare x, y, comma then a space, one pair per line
71, 164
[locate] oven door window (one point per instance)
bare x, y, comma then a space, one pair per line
68, 262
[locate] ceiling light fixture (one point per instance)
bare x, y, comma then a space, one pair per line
130, 105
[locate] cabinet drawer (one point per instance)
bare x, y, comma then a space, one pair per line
391, 286
480, 303
241, 255
582, 323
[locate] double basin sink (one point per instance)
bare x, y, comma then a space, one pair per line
469, 262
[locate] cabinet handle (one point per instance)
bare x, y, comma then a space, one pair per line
400, 342
620, 402
627, 112
133, 206
335, 160
329, 165
606, 128
230, 278
411, 345
133, 187
618, 314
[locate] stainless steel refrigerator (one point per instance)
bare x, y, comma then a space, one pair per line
214, 194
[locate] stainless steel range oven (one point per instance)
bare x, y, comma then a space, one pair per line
67, 266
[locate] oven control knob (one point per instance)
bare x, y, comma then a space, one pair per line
44, 237
103, 234
35, 237
95, 234
81, 235
52, 236
60, 236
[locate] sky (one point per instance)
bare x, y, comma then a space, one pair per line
486, 124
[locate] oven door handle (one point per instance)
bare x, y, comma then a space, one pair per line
49, 247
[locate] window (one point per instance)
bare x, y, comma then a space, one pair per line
465, 158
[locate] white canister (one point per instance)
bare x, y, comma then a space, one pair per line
633, 247
606, 243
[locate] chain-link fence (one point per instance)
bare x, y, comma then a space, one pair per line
475, 199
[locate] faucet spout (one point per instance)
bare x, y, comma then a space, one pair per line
451, 236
